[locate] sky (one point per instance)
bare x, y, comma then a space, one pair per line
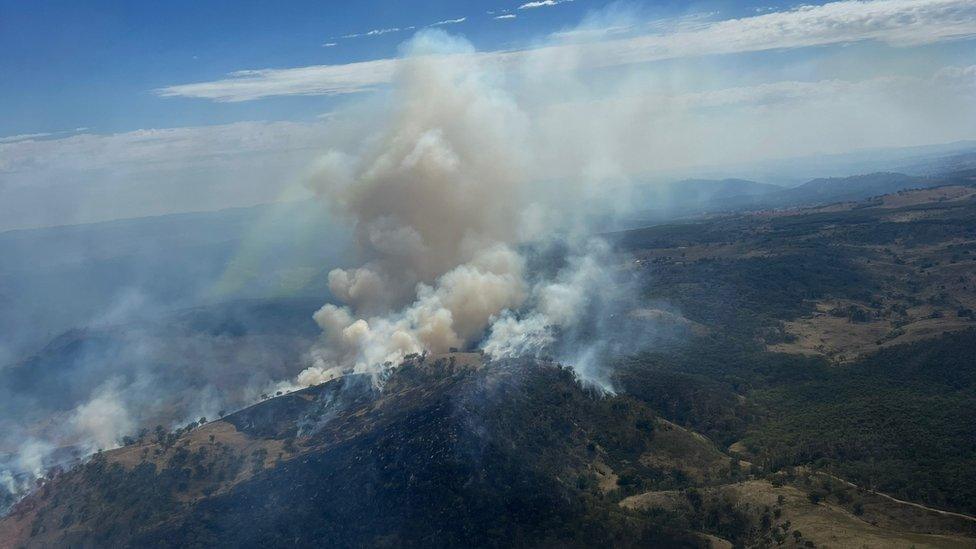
123, 109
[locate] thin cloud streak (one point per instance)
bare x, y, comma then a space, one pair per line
895, 22
377, 32
542, 4
449, 22
39, 135
389, 30
23, 137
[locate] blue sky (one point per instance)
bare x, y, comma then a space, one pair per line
121, 109
94, 64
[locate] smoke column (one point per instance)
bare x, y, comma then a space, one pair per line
441, 199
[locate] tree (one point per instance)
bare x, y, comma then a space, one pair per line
814, 497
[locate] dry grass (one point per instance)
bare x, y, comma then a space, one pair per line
225, 435
677, 448
833, 337
457, 361
841, 340
606, 478
832, 526
924, 196
825, 524
664, 499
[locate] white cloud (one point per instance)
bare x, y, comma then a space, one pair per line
542, 4
963, 76
23, 137
779, 92
40, 135
962, 80
895, 22
645, 121
389, 30
449, 22
90, 177
652, 128
377, 32
506, 16
315, 80
156, 147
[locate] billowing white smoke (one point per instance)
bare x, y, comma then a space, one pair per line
435, 188
28, 463
457, 308
440, 200
557, 305
104, 419
98, 424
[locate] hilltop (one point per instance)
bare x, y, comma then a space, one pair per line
432, 458
450, 451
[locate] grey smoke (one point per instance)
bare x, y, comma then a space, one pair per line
444, 200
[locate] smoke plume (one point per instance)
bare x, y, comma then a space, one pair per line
445, 201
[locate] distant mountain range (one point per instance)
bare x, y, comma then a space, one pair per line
790, 172
690, 191
692, 197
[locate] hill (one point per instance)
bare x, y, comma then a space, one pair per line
820, 395
689, 193
429, 460
695, 196
450, 452
692, 198
837, 189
